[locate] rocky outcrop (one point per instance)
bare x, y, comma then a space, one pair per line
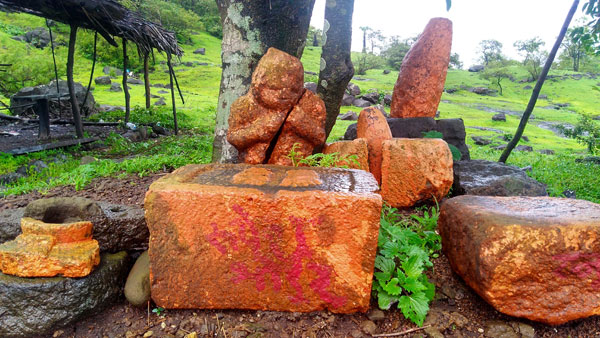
373, 127
531, 257
420, 84
287, 239
487, 178
415, 171
58, 301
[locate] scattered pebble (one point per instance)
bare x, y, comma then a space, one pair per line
148, 334
376, 315
368, 327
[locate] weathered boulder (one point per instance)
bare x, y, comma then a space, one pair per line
353, 89
19, 99
415, 170
116, 227
372, 97
453, 131
311, 86
499, 117
255, 118
39, 37
487, 178
133, 80
349, 116
476, 68
373, 127
281, 236
103, 80
531, 257
200, 51
304, 130
347, 100
115, 87
481, 141
50, 249
10, 224
137, 286
35, 306
420, 84
357, 147
483, 91
361, 103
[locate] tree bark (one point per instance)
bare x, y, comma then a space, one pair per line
249, 29
538, 86
125, 89
70, 84
336, 64
147, 80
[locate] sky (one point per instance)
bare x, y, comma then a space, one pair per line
473, 20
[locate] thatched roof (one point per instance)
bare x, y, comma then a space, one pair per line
107, 17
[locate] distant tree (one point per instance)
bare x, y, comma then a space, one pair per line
314, 36
534, 57
376, 39
365, 30
495, 72
366, 61
455, 62
491, 50
395, 51
576, 46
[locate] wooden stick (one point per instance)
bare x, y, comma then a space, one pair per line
401, 333
87, 92
171, 72
125, 89
70, 61
47, 146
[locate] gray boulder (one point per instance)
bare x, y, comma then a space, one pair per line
372, 97
487, 178
137, 286
523, 147
349, 116
311, 86
39, 37
361, 103
201, 51
10, 224
133, 80
353, 89
20, 99
386, 71
476, 68
546, 151
103, 80
115, 87
347, 99
499, 117
36, 306
483, 91
481, 141
387, 99
160, 102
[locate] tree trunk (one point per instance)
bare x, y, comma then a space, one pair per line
538, 86
249, 29
125, 89
336, 64
147, 80
171, 73
315, 40
70, 85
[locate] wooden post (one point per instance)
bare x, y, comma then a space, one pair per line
172, 93
70, 84
41, 109
147, 80
87, 92
125, 89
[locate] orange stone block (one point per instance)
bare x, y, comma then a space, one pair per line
305, 126
296, 240
372, 125
420, 83
47, 250
415, 170
357, 147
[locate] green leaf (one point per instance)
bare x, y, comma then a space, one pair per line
414, 307
386, 265
393, 288
413, 267
385, 300
391, 249
456, 155
413, 285
429, 288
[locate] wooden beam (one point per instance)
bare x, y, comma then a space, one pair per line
48, 146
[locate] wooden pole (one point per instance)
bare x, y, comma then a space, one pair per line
87, 92
125, 89
172, 93
70, 84
41, 109
147, 80
538, 86
55, 68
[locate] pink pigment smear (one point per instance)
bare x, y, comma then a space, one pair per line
274, 264
582, 265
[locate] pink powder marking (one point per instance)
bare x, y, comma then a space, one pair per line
241, 272
322, 282
213, 239
583, 265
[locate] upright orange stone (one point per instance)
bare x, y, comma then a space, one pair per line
420, 84
356, 147
296, 239
415, 170
372, 126
305, 126
47, 250
255, 118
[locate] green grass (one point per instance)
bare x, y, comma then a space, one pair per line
200, 86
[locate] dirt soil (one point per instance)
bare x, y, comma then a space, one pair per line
456, 311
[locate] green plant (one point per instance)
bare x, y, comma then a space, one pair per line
456, 155
403, 255
159, 311
333, 160
586, 132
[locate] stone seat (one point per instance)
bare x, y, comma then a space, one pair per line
531, 257
263, 237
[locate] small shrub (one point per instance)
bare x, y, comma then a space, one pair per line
586, 132
333, 160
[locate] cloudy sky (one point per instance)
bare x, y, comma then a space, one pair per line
473, 21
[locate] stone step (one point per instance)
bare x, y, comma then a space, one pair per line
531, 257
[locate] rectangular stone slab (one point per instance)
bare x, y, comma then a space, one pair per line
263, 237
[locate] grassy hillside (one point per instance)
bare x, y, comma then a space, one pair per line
200, 86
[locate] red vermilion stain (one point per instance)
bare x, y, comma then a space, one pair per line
271, 262
582, 265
